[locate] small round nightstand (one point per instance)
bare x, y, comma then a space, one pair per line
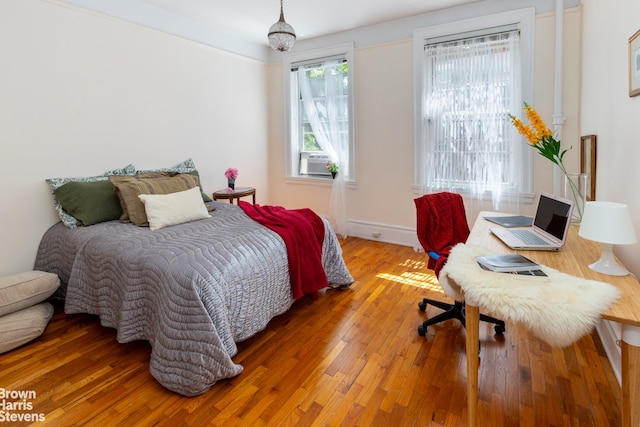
235, 194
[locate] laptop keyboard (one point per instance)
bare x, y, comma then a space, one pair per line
528, 237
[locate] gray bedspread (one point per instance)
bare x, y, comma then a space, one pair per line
192, 290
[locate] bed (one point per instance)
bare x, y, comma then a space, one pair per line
193, 290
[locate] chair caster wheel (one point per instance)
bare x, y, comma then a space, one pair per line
422, 331
499, 329
422, 305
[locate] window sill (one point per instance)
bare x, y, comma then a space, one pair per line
526, 198
316, 181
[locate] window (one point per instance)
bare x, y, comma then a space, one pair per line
320, 112
469, 81
469, 85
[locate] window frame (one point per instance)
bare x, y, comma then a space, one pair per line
524, 20
291, 121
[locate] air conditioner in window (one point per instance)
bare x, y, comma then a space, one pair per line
313, 163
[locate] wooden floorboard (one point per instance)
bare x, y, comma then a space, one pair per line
349, 358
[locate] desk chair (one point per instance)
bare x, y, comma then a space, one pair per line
442, 224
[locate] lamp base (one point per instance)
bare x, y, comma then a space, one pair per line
607, 263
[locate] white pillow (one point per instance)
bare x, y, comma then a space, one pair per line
175, 208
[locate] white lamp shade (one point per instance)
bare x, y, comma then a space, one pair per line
607, 222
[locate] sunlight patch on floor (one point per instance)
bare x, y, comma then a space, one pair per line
412, 263
420, 277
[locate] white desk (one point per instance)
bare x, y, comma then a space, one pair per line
573, 259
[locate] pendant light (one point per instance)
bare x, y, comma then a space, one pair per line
281, 35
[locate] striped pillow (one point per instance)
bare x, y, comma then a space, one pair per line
130, 187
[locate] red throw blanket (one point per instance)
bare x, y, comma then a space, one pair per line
441, 224
303, 234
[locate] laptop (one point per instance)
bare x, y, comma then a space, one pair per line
549, 229
511, 220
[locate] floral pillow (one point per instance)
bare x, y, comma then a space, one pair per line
182, 167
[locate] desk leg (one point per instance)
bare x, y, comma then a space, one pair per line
472, 327
630, 376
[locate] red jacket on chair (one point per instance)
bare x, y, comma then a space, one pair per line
441, 224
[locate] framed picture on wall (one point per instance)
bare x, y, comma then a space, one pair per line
634, 64
588, 163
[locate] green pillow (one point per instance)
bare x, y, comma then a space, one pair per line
205, 198
89, 202
54, 183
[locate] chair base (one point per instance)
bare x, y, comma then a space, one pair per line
453, 311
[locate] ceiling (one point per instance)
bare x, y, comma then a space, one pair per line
249, 20
310, 18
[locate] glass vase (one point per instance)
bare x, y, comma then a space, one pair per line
231, 182
575, 189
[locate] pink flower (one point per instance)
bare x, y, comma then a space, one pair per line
229, 190
231, 173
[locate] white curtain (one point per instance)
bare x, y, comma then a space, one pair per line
326, 107
471, 85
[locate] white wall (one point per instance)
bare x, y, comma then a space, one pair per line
382, 199
608, 111
81, 93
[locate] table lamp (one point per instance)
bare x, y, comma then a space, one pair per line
610, 224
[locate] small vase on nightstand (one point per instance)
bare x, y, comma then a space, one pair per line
232, 183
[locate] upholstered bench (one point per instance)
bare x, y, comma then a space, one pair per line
23, 313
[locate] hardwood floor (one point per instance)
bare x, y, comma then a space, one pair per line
350, 357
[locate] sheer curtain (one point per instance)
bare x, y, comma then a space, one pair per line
326, 107
470, 146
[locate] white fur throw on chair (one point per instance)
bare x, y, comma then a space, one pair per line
559, 308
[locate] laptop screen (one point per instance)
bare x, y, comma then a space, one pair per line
552, 216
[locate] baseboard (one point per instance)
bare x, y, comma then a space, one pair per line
610, 335
397, 235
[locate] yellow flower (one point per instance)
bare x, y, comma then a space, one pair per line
527, 132
541, 130
541, 138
